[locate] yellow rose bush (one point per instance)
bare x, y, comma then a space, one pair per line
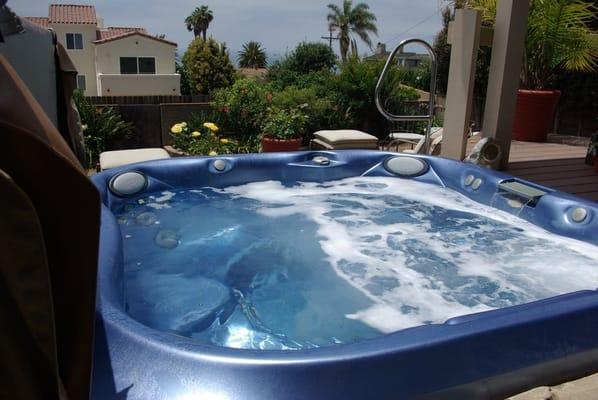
211, 126
200, 138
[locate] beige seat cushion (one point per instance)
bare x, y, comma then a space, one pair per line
318, 143
345, 136
116, 158
406, 136
435, 131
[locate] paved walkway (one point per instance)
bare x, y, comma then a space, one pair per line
581, 389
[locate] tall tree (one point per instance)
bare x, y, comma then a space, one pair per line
208, 66
253, 55
349, 21
199, 21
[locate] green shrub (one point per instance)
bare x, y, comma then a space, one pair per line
311, 57
242, 107
281, 77
309, 62
322, 110
344, 100
208, 66
102, 128
418, 77
355, 87
284, 124
182, 71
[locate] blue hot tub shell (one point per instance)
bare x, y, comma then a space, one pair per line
480, 356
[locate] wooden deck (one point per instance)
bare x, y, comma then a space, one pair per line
554, 165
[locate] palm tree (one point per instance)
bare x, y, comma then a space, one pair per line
349, 21
252, 56
199, 21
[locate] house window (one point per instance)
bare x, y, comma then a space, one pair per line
137, 65
128, 65
74, 41
147, 65
81, 82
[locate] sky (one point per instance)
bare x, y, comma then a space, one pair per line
278, 24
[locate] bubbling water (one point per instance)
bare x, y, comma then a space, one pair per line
268, 265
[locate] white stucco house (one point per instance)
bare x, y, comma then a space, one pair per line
112, 61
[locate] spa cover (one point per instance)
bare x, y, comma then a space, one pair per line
53, 251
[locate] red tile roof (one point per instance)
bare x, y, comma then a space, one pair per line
41, 21
131, 33
81, 14
111, 31
72, 14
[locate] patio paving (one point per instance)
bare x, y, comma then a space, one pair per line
581, 389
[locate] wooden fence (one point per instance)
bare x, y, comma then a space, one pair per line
153, 116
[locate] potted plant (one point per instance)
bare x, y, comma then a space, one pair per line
283, 130
558, 39
592, 156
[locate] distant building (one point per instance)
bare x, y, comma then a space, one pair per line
258, 73
404, 59
112, 61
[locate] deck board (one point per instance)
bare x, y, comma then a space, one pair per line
558, 166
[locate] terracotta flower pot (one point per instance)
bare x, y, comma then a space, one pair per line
534, 114
270, 145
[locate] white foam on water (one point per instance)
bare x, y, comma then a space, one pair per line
166, 195
412, 257
158, 206
158, 202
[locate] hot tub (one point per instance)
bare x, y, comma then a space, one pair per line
351, 274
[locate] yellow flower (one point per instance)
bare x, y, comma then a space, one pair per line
176, 128
212, 153
211, 126
183, 124
224, 140
195, 134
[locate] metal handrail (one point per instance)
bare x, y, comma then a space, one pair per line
395, 118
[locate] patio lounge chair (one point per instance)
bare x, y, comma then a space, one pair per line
416, 140
343, 139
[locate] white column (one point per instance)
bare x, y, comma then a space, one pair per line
465, 41
505, 67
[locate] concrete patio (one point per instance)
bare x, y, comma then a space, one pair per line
580, 389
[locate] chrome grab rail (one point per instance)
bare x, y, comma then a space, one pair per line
393, 117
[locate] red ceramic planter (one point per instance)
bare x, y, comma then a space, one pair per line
270, 145
534, 114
